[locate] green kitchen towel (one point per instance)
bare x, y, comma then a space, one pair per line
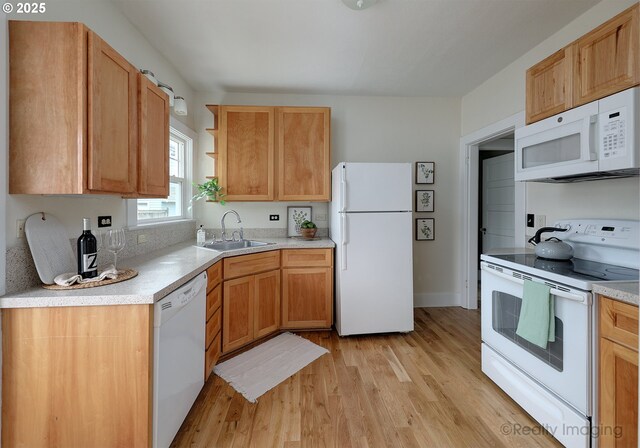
537, 323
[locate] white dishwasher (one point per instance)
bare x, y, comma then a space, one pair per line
178, 361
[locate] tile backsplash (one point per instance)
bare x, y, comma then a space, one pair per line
21, 271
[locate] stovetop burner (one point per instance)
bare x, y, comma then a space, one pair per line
575, 268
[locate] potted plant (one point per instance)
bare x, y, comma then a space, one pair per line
210, 190
308, 229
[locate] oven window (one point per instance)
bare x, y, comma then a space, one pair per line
560, 150
506, 313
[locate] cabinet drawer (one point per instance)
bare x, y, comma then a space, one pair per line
251, 264
211, 356
214, 276
619, 322
214, 300
307, 257
213, 327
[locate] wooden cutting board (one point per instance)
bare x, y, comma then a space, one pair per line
50, 248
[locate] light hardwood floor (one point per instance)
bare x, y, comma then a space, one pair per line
423, 389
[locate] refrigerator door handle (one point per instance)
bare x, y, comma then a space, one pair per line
343, 190
343, 242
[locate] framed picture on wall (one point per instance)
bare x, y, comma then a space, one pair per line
425, 200
425, 172
425, 229
295, 217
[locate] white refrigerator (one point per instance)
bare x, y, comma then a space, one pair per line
371, 224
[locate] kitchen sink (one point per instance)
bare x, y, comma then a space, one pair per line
234, 245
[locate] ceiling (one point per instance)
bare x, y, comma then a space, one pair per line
396, 47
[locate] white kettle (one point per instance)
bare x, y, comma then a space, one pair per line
553, 248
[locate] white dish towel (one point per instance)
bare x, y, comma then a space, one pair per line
70, 278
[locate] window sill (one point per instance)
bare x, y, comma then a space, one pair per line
151, 225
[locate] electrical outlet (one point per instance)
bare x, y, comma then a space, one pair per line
20, 228
274, 217
530, 220
541, 221
142, 238
321, 217
104, 221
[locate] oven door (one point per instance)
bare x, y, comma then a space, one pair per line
564, 366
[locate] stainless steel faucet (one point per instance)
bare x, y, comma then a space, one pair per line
223, 237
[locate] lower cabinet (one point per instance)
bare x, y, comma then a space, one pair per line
266, 305
250, 309
251, 298
307, 288
213, 347
265, 292
618, 384
77, 376
237, 306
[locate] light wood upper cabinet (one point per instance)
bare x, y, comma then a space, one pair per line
304, 172
600, 63
607, 60
153, 125
272, 153
618, 378
246, 152
549, 90
78, 114
112, 120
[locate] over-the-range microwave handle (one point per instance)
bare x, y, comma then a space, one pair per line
588, 149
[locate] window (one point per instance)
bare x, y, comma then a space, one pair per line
176, 205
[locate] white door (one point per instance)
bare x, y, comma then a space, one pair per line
498, 203
376, 187
374, 291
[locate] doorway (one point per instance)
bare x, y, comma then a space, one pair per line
470, 166
496, 195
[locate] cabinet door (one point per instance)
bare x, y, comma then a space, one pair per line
246, 153
618, 395
237, 313
153, 148
608, 58
307, 298
304, 172
267, 303
112, 124
549, 89
47, 107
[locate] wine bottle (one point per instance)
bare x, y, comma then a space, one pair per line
87, 251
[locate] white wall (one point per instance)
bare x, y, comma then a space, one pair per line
376, 129
106, 20
504, 95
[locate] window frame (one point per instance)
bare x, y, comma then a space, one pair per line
183, 132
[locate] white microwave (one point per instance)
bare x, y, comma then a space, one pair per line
594, 141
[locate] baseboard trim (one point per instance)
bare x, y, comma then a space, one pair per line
436, 299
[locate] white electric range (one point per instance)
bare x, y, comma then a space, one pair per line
556, 385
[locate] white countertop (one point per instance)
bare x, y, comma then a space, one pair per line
627, 292
159, 273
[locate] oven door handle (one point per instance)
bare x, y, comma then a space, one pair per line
554, 291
